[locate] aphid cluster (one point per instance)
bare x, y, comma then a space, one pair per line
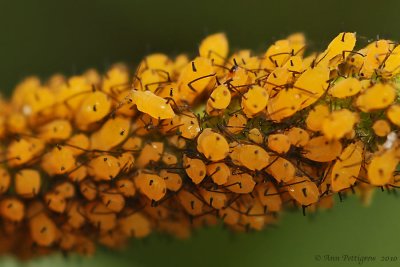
179, 143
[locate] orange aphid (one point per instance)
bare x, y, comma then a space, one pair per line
393, 114
304, 191
5, 180
241, 183
215, 47
219, 172
113, 200
316, 116
269, 196
338, 49
256, 136
88, 189
126, 187
195, 169
220, 97
212, 145
191, 203
169, 158
298, 137
65, 189
381, 128
345, 88
281, 169
55, 202
12, 209
56, 130
78, 144
104, 168
189, 125
23, 150
214, 198
172, 180
378, 96
59, 160
236, 123
279, 143
100, 216
27, 183
382, 166
113, 132
153, 105
135, 225
94, 107
339, 123
321, 149
43, 230
16, 123
150, 153
151, 185
255, 100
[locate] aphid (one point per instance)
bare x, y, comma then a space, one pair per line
104, 168
212, 145
214, 198
135, 225
116, 76
219, 172
379, 96
65, 189
256, 136
255, 100
298, 137
150, 153
113, 132
5, 180
195, 169
375, 54
93, 108
281, 169
12, 209
215, 47
338, 49
345, 88
153, 105
316, 117
100, 216
339, 123
236, 123
347, 167
55, 202
43, 230
27, 183
189, 125
393, 114
391, 65
56, 130
16, 123
382, 166
321, 149
191, 203
269, 196
286, 103
59, 160
381, 128
220, 97
173, 180
279, 143
126, 161
88, 189
194, 78
252, 157
241, 183
126, 187
113, 200
78, 173
169, 158
78, 144
304, 191
151, 185
23, 150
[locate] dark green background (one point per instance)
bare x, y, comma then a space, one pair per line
44, 37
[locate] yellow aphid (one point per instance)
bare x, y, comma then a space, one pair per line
43, 230
172, 180
298, 137
12, 209
393, 114
94, 108
57, 161
277, 80
116, 77
136, 225
215, 47
338, 49
304, 191
219, 172
5, 180
240, 183
149, 103
194, 78
345, 88
284, 105
378, 96
195, 169
27, 183
156, 61
151, 185
104, 168
281, 169
382, 166
375, 54
23, 150
150, 153
236, 123
56, 130
316, 117
391, 65
252, 157
220, 97
255, 100
16, 123
279, 143
347, 167
113, 132
321, 149
169, 158
256, 136
339, 123
78, 144
212, 145
381, 128
189, 125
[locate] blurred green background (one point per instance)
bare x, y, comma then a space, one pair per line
44, 37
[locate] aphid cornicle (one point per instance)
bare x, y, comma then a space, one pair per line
185, 142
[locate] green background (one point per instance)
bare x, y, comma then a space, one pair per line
44, 37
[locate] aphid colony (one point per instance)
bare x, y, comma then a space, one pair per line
182, 143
